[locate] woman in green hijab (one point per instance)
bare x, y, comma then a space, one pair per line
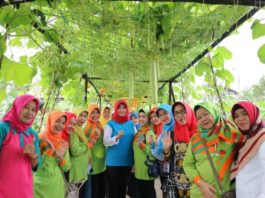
221, 137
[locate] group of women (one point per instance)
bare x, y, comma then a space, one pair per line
200, 152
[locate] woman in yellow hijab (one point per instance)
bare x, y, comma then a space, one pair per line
105, 116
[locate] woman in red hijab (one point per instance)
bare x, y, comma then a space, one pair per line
118, 137
69, 126
249, 167
156, 123
184, 127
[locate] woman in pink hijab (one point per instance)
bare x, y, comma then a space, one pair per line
19, 148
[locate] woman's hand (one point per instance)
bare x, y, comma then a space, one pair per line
167, 142
29, 149
59, 153
207, 190
120, 133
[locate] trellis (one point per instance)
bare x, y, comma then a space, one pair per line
170, 79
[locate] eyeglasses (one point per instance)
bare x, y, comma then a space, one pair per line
162, 114
180, 112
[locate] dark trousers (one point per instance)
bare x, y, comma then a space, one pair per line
132, 187
98, 185
117, 180
146, 188
85, 191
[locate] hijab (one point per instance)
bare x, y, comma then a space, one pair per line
169, 126
92, 129
79, 129
157, 128
102, 119
54, 139
69, 116
116, 117
253, 138
183, 133
157, 150
12, 116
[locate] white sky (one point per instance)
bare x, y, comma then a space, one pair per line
245, 64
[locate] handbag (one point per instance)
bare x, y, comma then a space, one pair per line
169, 186
73, 189
152, 167
228, 194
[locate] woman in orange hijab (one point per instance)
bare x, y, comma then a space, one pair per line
48, 180
94, 134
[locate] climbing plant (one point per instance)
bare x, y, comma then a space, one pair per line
107, 41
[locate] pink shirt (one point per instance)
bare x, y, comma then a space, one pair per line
15, 168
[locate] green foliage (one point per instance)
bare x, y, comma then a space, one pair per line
21, 74
261, 53
108, 39
258, 29
256, 94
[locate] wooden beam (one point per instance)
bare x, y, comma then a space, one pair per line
257, 3
141, 81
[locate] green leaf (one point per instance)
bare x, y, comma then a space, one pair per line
21, 74
261, 53
258, 29
225, 75
223, 52
6, 15
23, 59
201, 68
217, 61
16, 42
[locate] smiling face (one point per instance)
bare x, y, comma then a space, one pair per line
106, 113
142, 118
180, 114
95, 115
58, 125
164, 116
122, 109
82, 117
241, 119
204, 118
28, 112
134, 119
154, 119
71, 125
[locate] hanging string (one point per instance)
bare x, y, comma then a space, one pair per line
48, 100
215, 85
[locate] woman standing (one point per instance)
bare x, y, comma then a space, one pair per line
48, 180
78, 149
105, 116
19, 148
118, 137
69, 126
94, 133
156, 123
249, 167
185, 126
142, 152
220, 137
